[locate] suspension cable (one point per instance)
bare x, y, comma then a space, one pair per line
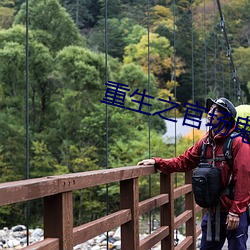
192, 77
27, 207
107, 124
215, 53
229, 53
149, 123
175, 94
205, 50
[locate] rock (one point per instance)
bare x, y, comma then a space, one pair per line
117, 244
95, 248
3, 233
111, 233
13, 243
117, 234
100, 238
38, 232
13, 240
18, 228
103, 243
111, 239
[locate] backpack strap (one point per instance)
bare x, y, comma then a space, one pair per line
203, 152
227, 149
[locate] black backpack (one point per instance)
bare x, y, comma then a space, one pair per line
206, 179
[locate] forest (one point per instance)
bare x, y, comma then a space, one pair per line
54, 71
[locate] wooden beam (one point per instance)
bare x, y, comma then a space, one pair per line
185, 189
182, 218
58, 219
104, 224
98, 177
155, 237
46, 244
129, 197
198, 231
190, 205
152, 203
19, 191
167, 210
24, 190
185, 244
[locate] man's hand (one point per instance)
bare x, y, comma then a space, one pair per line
232, 221
146, 162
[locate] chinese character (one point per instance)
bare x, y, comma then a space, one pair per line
114, 95
141, 101
159, 112
193, 117
242, 127
220, 119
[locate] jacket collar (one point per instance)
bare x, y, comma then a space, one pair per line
218, 137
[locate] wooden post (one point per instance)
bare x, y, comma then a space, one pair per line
190, 205
167, 210
129, 198
58, 219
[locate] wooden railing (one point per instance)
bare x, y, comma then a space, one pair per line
56, 192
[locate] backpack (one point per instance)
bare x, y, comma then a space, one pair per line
206, 179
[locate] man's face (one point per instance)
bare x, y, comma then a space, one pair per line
217, 114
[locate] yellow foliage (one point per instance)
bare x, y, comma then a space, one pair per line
165, 94
161, 15
195, 134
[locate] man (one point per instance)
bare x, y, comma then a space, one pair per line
233, 212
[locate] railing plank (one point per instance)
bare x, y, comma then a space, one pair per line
129, 195
190, 205
167, 210
185, 189
99, 177
198, 208
152, 203
58, 219
58, 214
91, 229
154, 238
185, 244
46, 244
198, 231
24, 190
182, 218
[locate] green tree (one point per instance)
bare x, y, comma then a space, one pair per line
241, 56
84, 13
161, 57
117, 32
53, 25
6, 17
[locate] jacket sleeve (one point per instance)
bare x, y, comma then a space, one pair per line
241, 175
185, 162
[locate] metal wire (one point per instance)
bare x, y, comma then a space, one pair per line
215, 53
230, 56
205, 51
192, 19
149, 123
107, 124
27, 207
175, 93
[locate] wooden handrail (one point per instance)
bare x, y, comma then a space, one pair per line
58, 208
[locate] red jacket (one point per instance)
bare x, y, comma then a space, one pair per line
241, 168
